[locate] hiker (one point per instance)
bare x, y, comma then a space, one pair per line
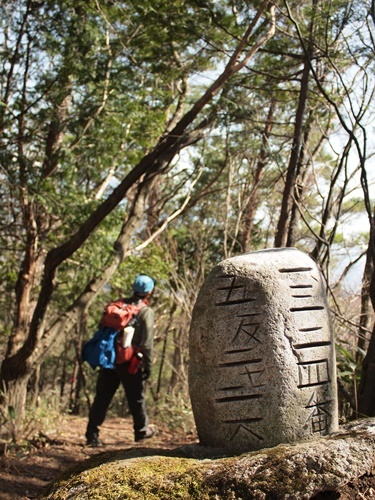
109, 379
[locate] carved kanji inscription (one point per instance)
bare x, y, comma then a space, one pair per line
262, 360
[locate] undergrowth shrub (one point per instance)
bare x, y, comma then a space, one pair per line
174, 412
40, 422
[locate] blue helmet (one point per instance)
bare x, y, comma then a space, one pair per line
143, 284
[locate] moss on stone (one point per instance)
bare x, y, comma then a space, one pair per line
148, 477
298, 471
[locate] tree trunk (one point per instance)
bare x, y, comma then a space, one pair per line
77, 382
178, 376
301, 173
295, 156
164, 350
366, 390
290, 181
367, 311
15, 398
252, 204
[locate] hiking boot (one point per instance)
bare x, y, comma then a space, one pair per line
147, 434
94, 441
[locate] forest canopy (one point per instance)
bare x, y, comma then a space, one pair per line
161, 137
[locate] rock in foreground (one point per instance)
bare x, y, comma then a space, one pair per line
299, 471
262, 365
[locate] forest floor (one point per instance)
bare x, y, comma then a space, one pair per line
25, 474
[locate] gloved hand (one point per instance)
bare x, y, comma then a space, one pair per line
146, 373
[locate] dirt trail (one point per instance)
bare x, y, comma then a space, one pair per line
24, 476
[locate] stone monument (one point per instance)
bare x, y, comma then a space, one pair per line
262, 357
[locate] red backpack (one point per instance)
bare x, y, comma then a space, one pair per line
118, 314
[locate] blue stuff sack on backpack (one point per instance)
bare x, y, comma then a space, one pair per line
100, 350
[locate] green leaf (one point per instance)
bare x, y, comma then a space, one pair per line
11, 412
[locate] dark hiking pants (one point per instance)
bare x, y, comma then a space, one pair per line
106, 386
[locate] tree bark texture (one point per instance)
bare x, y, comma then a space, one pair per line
291, 175
282, 230
366, 390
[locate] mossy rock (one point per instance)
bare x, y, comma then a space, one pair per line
299, 471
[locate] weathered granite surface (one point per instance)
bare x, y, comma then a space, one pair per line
297, 472
262, 360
